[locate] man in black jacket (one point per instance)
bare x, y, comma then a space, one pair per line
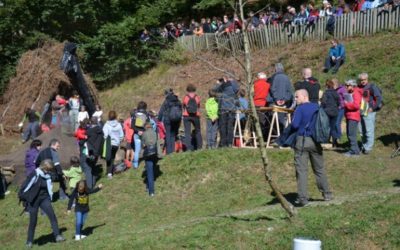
51, 153
310, 84
94, 144
169, 115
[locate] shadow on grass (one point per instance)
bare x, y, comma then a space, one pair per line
156, 171
89, 230
390, 139
44, 239
290, 197
396, 183
259, 218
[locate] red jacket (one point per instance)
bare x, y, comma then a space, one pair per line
261, 90
161, 130
186, 101
80, 134
352, 109
128, 130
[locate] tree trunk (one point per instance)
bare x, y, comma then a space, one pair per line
249, 82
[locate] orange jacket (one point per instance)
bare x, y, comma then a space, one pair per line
186, 101
128, 130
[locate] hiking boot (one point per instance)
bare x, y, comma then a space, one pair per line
60, 238
327, 196
367, 152
350, 154
301, 202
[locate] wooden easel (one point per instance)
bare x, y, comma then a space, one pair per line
251, 141
274, 125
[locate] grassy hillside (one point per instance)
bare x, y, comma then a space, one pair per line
219, 200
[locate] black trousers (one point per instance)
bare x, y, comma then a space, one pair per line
110, 163
226, 122
45, 205
329, 63
192, 142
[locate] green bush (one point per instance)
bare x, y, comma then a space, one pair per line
175, 55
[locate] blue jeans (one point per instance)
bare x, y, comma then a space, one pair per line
31, 130
138, 146
332, 125
212, 130
367, 130
171, 131
80, 221
339, 123
352, 136
149, 165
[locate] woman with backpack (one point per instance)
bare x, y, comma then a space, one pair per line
191, 115
149, 142
37, 192
112, 129
171, 115
330, 103
139, 119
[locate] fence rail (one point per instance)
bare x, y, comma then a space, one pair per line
347, 25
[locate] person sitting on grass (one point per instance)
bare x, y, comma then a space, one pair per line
336, 57
81, 197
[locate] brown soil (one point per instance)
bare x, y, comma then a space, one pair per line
38, 78
69, 147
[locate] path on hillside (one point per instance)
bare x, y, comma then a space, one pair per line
336, 201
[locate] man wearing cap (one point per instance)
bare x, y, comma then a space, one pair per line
352, 104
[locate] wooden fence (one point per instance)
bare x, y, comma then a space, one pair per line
347, 25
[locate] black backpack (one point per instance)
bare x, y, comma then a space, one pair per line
322, 128
191, 106
175, 111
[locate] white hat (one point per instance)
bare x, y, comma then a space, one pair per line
262, 75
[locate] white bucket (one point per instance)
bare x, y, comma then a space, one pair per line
306, 244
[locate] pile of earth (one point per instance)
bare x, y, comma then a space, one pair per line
38, 79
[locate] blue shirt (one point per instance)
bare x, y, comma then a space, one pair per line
303, 117
244, 105
337, 51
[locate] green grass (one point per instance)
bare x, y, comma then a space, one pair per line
200, 198
219, 199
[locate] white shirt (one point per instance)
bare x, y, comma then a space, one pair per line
98, 114
82, 116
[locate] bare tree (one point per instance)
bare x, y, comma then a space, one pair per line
263, 151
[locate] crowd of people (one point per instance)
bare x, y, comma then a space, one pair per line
306, 15
148, 135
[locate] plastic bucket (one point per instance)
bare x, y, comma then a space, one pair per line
306, 244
